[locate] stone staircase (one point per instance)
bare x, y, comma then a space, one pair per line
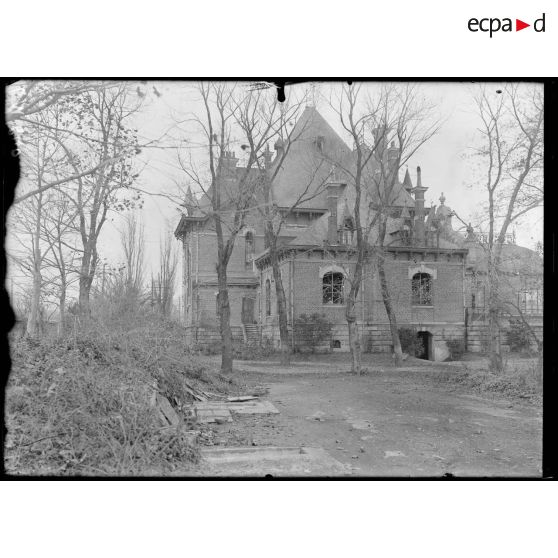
251, 334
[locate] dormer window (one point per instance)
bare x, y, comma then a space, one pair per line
347, 232
249, 249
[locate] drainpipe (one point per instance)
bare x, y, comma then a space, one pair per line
197, 280
292, 269
465, 314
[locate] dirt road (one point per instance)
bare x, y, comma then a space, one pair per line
390, 423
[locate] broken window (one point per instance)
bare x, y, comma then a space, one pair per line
421, 289
332, 288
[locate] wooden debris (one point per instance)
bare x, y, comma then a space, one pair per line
240, 398
253, 408
166, 411
196, 393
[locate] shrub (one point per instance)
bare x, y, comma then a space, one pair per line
81, 404
209, 349
310, 331
254, 351
456, 348
519, 336
410, 343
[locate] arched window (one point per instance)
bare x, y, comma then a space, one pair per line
421, 287
249, 248
268, 297
332, 288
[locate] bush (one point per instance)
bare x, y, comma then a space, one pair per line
254, 351
519, 336
456, 348
410, 343
310, 331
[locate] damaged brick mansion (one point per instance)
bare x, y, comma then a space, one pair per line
436, 266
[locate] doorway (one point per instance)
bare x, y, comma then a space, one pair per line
425, 345
248, 305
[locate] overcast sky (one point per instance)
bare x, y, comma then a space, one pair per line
445, 167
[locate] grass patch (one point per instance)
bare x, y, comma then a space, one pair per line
80, 405
518, 382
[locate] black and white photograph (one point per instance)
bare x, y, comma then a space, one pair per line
246, 279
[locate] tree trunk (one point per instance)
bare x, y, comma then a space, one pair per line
397, 352
33, 321
62, 310
84, 292
224, 320
494, 346
350, 315
281, 309
87, 272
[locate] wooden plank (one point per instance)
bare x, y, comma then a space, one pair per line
167, 411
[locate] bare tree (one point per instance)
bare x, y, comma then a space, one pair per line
30, 100
230, 191
112, 143
42, 158
511, 156
132, 241
278, 121
61, 255
395, 115
164, 287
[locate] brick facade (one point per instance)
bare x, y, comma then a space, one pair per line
315, 239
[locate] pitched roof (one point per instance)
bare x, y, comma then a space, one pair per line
306, 167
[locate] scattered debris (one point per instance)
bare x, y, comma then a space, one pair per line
253, 408
212, 412
318, 415
395, 453
241, 398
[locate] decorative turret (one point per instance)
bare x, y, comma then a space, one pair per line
418, 192
407, 182
444, 214
189, 203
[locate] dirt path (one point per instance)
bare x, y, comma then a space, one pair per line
390, 424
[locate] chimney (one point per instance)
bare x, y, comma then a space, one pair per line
279, 149
332, 199
267, 157
380, 138
229, 161
392, 155
418, 191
